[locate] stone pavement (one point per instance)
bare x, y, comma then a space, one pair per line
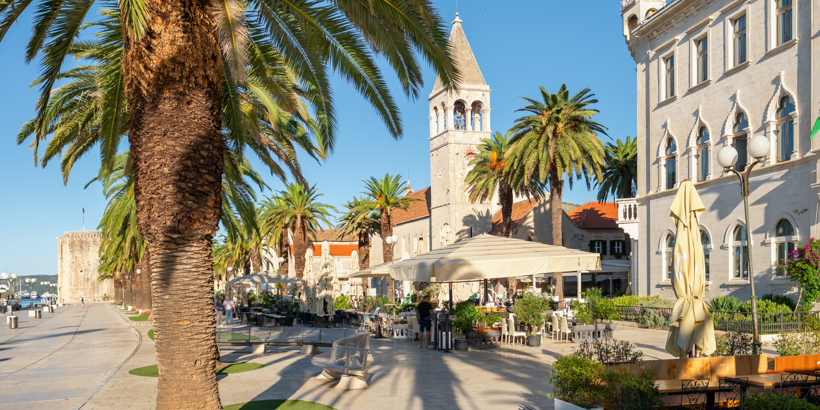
58, 361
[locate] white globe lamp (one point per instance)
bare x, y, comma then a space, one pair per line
13, 276
759, 147
4, 276
727, 157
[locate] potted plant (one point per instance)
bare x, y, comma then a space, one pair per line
485, 323
597, 314
530, 310
466, 319
577, 383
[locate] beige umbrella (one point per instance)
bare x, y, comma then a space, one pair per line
690, 324
264, 277
378, 271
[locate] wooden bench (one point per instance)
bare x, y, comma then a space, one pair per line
346, 361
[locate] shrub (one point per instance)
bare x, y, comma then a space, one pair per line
609, 351
653, 301
596, 308
626, 391
530, 309
658, 303
766, 306
798, 343
803, 267
466, 317
780, 299
650, 318
733, 344
577, 380
766, 401
342, 302
725, 304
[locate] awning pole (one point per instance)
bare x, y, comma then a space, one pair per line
451, 296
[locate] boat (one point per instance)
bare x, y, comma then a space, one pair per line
24, 294
33, 294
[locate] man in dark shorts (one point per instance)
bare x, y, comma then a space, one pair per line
424, 313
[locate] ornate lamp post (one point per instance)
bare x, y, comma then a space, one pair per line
10, 280
727, 157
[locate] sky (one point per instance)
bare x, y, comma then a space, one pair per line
519, 45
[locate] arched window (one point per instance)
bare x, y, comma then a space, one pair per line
785, 129
459, 116
741, 130
740, 253
650, 12
632, 23
435, 114
703, 153
783, 233
443, 117
477, 117
668, 260
671, 163
706, 242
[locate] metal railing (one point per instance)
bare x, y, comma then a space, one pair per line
734, 321
633, 313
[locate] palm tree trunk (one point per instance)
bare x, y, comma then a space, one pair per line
283, 251
386, 222
364, 258
505, 197
300, 246
145, 265
256, 259
172, 78
117, 290
556, 215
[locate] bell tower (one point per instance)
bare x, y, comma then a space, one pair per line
459, 121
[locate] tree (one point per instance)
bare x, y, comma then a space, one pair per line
387, 194
300, 211
175, 63
621, 170
490, 172
274, 230
557, 142
362, 221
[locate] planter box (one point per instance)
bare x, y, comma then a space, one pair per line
562, 405
593, 332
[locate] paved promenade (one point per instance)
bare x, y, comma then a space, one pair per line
58, 361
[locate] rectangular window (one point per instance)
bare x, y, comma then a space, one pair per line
669, 63
671, 176
702, 59
598, 246
740, 146
706, 263
786, 140
783, 251
670, 266
704, 163
618, 247
785, 21
739, 43
741, 262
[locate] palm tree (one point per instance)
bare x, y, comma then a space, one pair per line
621, 170
300, 211
387, 194
360, 220
558, 140
178, 60
274, 230
490, 172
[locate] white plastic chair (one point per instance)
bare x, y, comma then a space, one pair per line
513, 334
505, 335
564, 329
554, 328
412, 328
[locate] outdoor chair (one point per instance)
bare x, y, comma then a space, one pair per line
505, 333
811, 392
412, 327
791, 383
513, 333
564, 329
321, 321
368, 325
693, 394
288, 321
732, 392
554, 327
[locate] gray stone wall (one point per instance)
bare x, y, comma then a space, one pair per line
77, 267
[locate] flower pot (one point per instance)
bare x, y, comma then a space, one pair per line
534, 340
562, 405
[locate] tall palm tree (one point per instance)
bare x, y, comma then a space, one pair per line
363, 221
490, 172
178, 58
300, 211
557, 142
273, 229
621, 170
387, 195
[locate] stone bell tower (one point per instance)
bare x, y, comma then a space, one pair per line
459, 120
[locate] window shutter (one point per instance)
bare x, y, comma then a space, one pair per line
592, 246
627, 247
611, 247
603, 248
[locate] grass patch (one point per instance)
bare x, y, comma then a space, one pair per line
222, 336
238, 367
139, 318
279, 405
151, 334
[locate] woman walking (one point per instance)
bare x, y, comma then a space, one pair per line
220, 309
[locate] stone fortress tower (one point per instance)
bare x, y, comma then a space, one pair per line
459, 120
77, 264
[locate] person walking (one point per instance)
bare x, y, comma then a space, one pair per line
82, 300
230, 308
424, 313
220, 309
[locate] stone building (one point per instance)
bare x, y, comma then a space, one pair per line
77, 264
710, 74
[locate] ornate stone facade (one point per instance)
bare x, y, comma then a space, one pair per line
77, 264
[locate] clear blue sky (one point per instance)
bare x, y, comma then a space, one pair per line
519, 45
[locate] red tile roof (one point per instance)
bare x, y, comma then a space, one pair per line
519, 211
335, 249
418, 209
595, 215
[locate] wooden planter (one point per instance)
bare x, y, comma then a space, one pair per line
593, 332
562, 405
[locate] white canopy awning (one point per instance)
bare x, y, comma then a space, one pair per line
264, 277
378, 271
492, 257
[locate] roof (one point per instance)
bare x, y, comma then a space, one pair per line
418, 209
519, 211
345, 249
463, 58
332, 235
595, 215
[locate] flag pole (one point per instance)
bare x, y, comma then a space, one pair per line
83, 219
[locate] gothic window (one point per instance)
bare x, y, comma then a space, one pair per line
703, 153
704, 240
740, 253
668, 260
784, 246
443, 117
741, 128
459, 116
785, 21
785, 129
671, 163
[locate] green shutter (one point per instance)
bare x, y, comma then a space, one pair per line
592, 246
603, 248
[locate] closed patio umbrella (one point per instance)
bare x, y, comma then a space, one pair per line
691, 323
264, 277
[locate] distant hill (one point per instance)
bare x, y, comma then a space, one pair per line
40, 289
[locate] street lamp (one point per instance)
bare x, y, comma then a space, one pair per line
10, 280
727, 157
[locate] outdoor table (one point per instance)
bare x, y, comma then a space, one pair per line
771, 380
673, 387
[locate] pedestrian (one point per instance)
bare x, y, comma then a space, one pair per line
82, 300
424, 313
220, 309
230, 308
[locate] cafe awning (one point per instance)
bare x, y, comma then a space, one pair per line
378, 271
492, 257
264, 277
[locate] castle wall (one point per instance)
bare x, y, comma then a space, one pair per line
77, 264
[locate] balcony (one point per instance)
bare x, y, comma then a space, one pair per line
628, 216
